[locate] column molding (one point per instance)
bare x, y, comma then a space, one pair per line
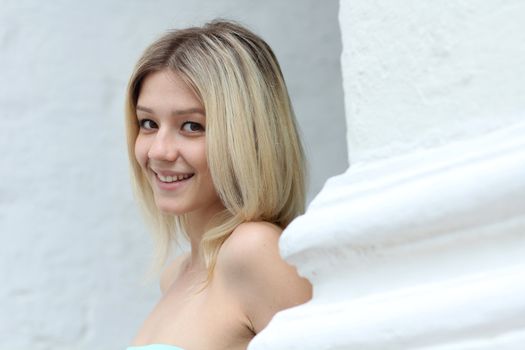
419, 251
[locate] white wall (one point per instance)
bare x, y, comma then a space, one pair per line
420, 244
73, 249
420, 74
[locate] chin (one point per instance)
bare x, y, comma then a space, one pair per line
170, 209
169, 212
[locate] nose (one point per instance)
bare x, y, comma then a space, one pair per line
164, 147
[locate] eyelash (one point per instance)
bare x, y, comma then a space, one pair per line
201, 128
142, 123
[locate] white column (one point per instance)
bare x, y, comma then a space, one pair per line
421, 243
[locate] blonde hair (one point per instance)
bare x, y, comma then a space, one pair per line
254, 153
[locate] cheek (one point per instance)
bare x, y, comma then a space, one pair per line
141, 151
204, 159
197, 153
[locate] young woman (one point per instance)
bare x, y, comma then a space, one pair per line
216, 157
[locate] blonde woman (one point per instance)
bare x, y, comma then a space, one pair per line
215, 158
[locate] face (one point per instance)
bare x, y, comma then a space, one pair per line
171, 146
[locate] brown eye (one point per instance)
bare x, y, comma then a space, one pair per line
192, 127
147, 124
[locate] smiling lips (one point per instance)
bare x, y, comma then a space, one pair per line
168, 180
175, 178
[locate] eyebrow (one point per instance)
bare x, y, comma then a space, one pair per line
175, 112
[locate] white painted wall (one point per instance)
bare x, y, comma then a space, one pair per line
420, 244
420, 74
73, 249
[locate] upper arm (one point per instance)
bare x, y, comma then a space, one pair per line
262, 281
170, 272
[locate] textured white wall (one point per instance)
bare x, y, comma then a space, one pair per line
420, 244
73, 248
423, 73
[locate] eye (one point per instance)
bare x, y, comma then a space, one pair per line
147, 124
192, 127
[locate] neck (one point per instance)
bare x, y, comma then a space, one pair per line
197, 223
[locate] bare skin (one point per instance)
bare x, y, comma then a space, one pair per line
251, 283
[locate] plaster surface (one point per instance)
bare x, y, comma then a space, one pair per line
419, 74
73, 248
419, 244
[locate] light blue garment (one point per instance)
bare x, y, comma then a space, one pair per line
154, 347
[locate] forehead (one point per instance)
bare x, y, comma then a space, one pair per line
166, 89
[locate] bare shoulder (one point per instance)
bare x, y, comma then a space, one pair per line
251, 246
252, 237
263, 282
171, 271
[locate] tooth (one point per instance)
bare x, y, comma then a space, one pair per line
174, 177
